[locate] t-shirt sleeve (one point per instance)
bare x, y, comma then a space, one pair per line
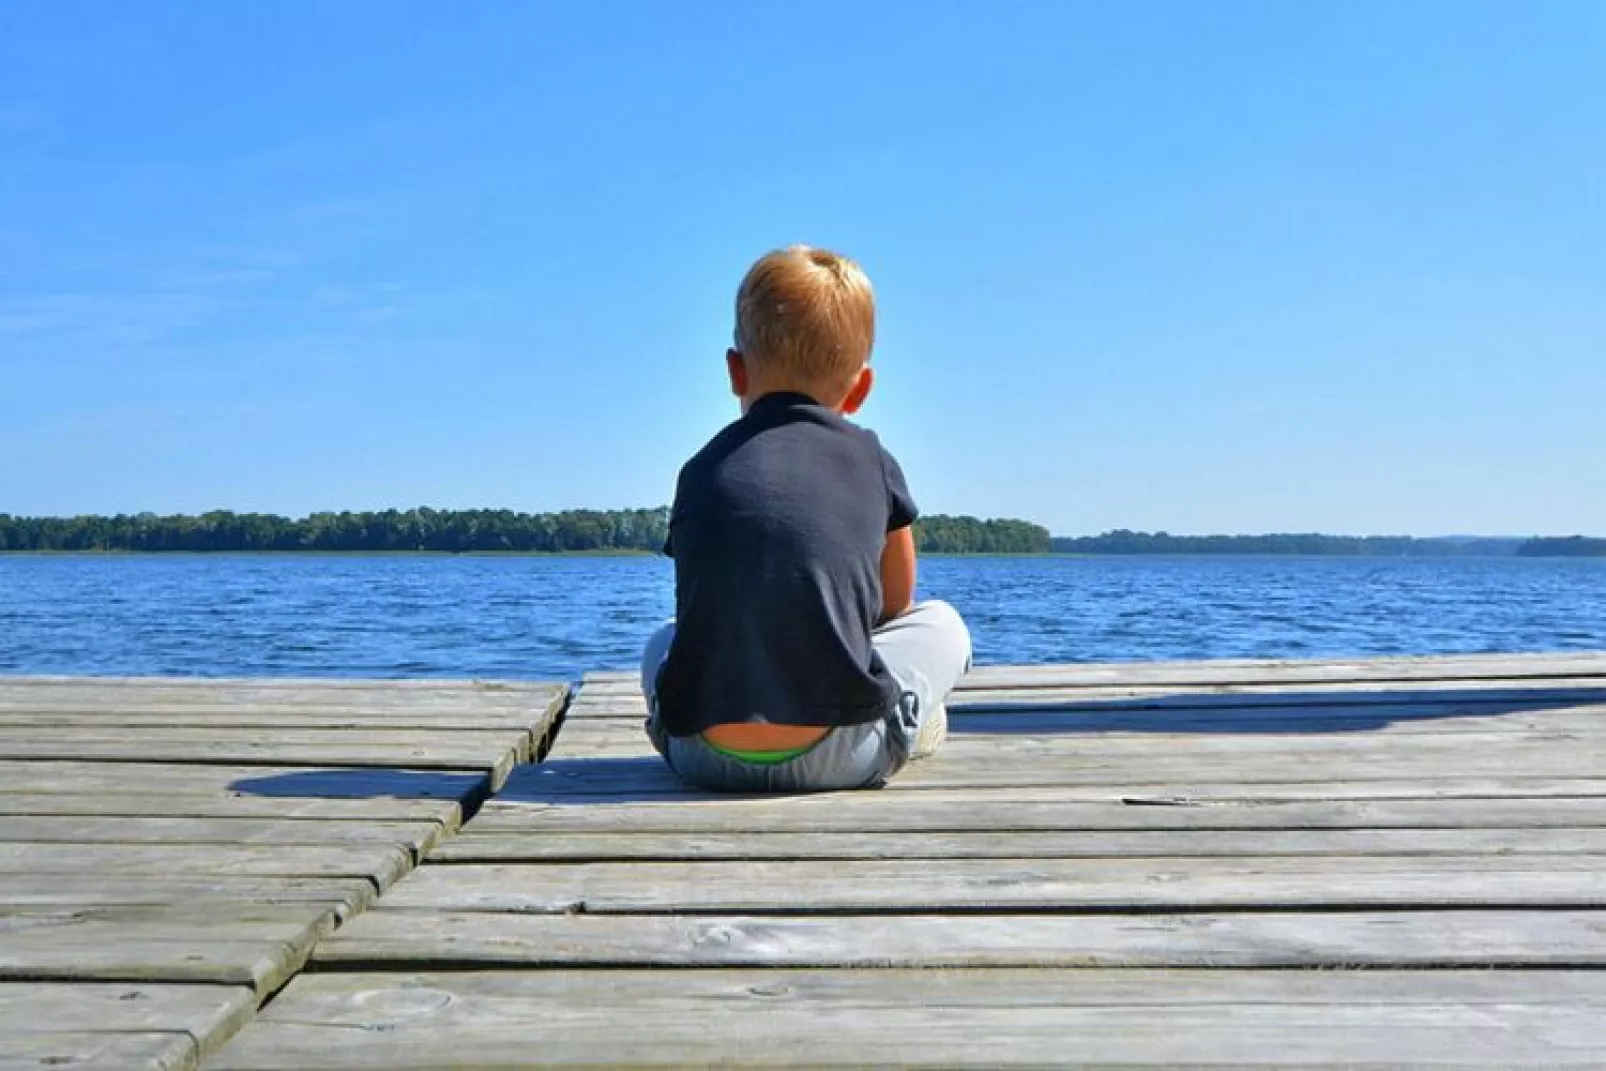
674, 514
901, 508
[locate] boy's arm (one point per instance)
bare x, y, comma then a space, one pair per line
898, 573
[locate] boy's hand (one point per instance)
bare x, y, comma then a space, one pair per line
898, 573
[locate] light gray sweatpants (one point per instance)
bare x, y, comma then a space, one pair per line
927, 650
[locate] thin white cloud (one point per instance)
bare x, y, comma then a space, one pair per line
116, 320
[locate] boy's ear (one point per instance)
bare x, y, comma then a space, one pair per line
738, 372
859, 391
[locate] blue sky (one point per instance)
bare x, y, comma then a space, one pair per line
1201, 267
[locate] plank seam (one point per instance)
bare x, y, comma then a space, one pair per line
466, 964
1313, 907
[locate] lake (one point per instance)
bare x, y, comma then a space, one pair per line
556, 617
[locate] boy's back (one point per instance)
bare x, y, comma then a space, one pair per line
778, 531
797, 660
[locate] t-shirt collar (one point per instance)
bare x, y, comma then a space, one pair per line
782, 399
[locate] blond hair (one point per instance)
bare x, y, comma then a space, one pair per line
806, 315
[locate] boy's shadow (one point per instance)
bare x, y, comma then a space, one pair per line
583, 781
358, 782
571, 782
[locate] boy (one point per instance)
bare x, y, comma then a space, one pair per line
797, 660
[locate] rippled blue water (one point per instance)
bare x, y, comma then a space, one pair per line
305, 615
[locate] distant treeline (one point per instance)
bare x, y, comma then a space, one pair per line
386, 530
450, 531
938, 534
1122, 541
1568, 547
468, 531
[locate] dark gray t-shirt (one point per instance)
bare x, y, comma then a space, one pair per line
777, 532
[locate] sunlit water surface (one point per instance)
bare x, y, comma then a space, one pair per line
556, 617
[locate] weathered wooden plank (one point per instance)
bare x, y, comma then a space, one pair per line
622, 702
626, 771
1292, 697
1379, 721
269, 694
1032, 763
86, 778
477, 939
400, 736
1211, 713
26, 890
92, 1050
287, 836
562, 782
230, 944
203, 724
1091, 686
381, 863
1578, 710
1050, 762
912, 885
940, 987
535, 846
451, 739
208, 1013
527, 708
283, 689
1161, 727
1151, 748
638, 777
923, 1018
332, 708
979, 810
265, 751
133, 804
979, 687
380, 706
625, 699
1253, 671
239, 892
1228, 670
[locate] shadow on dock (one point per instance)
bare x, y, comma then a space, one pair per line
1279, 713
362, 784
597, 780
590, 780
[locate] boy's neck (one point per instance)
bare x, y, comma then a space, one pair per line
750, 384
754, 397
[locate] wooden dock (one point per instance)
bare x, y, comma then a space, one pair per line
172, 851
1324, 864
